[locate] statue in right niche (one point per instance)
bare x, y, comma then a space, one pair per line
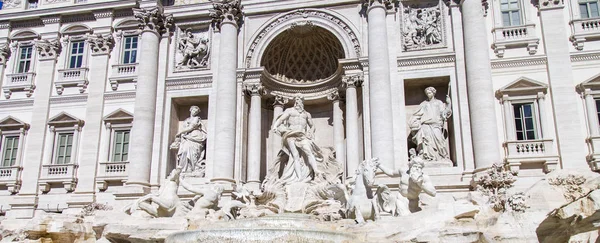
427, 128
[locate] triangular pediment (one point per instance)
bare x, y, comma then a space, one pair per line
592, 83
119, 116
522, 86
10, 122
64, 119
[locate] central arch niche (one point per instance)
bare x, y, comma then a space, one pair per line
303, 54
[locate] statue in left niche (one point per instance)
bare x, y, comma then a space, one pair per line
190, 144
194, 49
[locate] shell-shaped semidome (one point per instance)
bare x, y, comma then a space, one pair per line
303, 54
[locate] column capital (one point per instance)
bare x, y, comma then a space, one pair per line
279, 100
101, 44
48, 49
153, 19
4, 53
254, 89
334, 96
548, 4
352, 81
485, 5
387, 4
227, 11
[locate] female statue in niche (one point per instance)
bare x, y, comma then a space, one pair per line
427, 127
190, 144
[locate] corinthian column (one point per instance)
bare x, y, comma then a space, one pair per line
338, 127
486, 147
153, 24
352, 141
254, 134
382, 138
101, 46
226, 18
571, 141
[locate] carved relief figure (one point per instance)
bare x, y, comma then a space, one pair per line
422, 27
195, 50
299, 155
190, 144
12, 3
427, 127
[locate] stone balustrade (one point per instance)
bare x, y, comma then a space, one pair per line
515, 36
19, 82
123, 73
531, 151
584, 29
58, 174
72, 77
111, 171
10, 177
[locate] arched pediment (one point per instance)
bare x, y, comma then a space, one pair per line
339, 26
24, 34
65, 119
522, 86
128, 23
119, 116
76, 29
12, 123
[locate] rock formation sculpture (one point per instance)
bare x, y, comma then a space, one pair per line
427, 128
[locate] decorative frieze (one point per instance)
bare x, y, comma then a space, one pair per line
153, 19
48, 49
226, 11
423, 26
52, 19
104, 13
101, 44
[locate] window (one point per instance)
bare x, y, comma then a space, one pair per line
32, 4
24, 62
525, 121
598, 108
64, 146
9, 151
588, 8
121, 146
76, 54
130, 49
511, 12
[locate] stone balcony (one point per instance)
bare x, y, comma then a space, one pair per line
19, 82
65, 174
73, 77
11, 178
531, 151
111, 171
584, 30
594, 157
514, 37
122, 73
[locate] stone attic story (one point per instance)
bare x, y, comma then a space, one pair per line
130, 121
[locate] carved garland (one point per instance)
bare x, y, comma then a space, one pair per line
302, 13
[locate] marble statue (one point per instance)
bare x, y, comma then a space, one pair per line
394, 204
423, 27
427, 128
195, 50
190, 144
299, 156
413, 182
162, 204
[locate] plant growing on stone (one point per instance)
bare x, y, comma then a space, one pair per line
571, 186
495, 184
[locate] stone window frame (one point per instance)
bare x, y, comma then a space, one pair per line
118, 120
514, 36
73, 77
10, 176
109, 170
124, 73
64, 123
582, 29
579, 2
520, 10
23, 81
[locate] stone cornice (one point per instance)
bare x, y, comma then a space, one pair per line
26, 23
153, 19
16, 103
226, 12
502, 63
79, 98
51, 19
103, 13
78, 18
581, 57
426, 60
70, 9
120, 95
189, 83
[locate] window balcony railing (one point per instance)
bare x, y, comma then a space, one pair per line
515, 36
11, 177
111, 171
19, 82
73, 77
58, 174
531, 151
584, 30
123, 73
594, 157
